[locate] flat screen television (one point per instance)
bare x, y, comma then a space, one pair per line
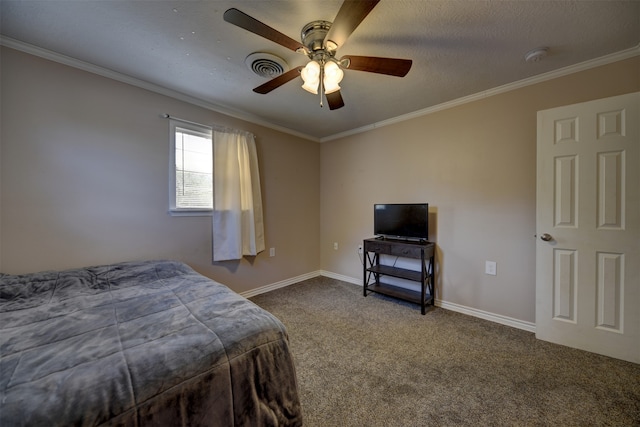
408, 221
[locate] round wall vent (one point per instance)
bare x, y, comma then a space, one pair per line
266, 64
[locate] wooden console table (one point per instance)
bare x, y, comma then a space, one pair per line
373, 270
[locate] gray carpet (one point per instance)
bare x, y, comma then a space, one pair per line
376, 361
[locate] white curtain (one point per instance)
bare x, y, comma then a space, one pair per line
237, 200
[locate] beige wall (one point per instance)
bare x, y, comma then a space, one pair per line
84, 180
476, 166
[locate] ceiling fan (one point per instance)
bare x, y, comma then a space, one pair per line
320, 41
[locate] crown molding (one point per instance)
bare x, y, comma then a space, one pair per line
114, 75
72, 62
582, 66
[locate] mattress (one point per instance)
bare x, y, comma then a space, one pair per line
136, 344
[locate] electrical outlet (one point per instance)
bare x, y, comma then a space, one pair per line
359, 249
335, 246
272, 251
490, 268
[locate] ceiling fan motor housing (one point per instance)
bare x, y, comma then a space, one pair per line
313, 35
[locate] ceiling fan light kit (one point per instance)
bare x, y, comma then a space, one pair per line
332, 77
320, 40
330, 74
311, 76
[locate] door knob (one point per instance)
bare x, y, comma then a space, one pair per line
546, 237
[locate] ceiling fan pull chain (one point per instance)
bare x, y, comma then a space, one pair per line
321, 91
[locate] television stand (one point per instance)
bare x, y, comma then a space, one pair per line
373, 270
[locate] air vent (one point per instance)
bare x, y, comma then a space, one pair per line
266, 65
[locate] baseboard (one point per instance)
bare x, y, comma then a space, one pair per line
470, 311
492, 317
341, 277
281, 284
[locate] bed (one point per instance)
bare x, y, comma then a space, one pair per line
137, 344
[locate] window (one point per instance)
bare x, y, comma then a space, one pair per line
191, 169
237, 220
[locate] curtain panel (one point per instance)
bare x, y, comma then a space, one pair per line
238, 228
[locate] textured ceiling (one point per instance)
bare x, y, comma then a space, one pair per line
458, 48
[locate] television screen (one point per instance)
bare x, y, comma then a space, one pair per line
403, 221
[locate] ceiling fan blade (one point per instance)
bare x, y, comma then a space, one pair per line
373, 64
242, 20
278, 81
350, 15
334, 99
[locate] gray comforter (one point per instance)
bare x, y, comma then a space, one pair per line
141, 343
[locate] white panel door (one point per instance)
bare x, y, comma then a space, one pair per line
588, 226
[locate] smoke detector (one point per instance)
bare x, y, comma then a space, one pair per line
537, 54
266, 64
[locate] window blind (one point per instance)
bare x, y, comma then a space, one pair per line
194, 169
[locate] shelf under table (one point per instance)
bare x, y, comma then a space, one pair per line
398, 292
401, 273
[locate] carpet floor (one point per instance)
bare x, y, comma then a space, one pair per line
377, 361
